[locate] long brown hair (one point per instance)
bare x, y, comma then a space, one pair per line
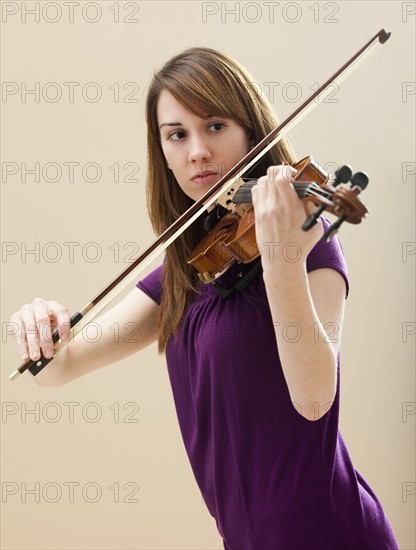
203, 81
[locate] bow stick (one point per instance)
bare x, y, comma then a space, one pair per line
80, 319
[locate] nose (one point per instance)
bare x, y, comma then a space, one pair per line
199, 150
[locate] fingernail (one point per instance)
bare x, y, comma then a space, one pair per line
48, 353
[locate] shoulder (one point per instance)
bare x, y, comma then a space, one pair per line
152, 284
328, 255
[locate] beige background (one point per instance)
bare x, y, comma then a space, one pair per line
371, 126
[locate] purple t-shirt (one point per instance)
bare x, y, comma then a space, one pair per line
272, 479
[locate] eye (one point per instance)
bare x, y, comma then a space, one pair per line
177, 135
217, 126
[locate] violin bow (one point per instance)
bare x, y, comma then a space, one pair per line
89, 312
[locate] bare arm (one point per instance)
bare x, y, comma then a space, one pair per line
125, 329
309, 355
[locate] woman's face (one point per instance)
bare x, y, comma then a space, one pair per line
198, 150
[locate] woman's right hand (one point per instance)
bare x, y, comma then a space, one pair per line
36, 323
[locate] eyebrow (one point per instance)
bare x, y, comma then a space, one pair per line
170, 124
180, 123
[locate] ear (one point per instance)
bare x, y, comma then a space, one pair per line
251, 143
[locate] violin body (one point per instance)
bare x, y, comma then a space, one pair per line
234, 239
213, 255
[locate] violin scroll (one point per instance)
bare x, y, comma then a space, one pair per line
346, 204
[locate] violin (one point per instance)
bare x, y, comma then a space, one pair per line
233, 237
344, 203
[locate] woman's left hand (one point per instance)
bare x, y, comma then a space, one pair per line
279, 215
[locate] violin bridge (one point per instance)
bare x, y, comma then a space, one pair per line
226, 198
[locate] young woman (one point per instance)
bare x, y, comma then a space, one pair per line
255, 374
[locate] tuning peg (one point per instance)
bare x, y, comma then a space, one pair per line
333, 229
312, 218
342, 175
360, 179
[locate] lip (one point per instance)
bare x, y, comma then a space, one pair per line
204, 177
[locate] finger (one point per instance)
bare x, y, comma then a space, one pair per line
62, 318
22, 348
310, 207
259, 191
43, 323
274, 172
286, 187
29, 332
281, 171
288, 173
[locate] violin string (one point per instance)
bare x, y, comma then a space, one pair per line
246, 197
244, 190
304, 188
253, 181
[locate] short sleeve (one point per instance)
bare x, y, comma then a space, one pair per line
152, 284
330, 255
